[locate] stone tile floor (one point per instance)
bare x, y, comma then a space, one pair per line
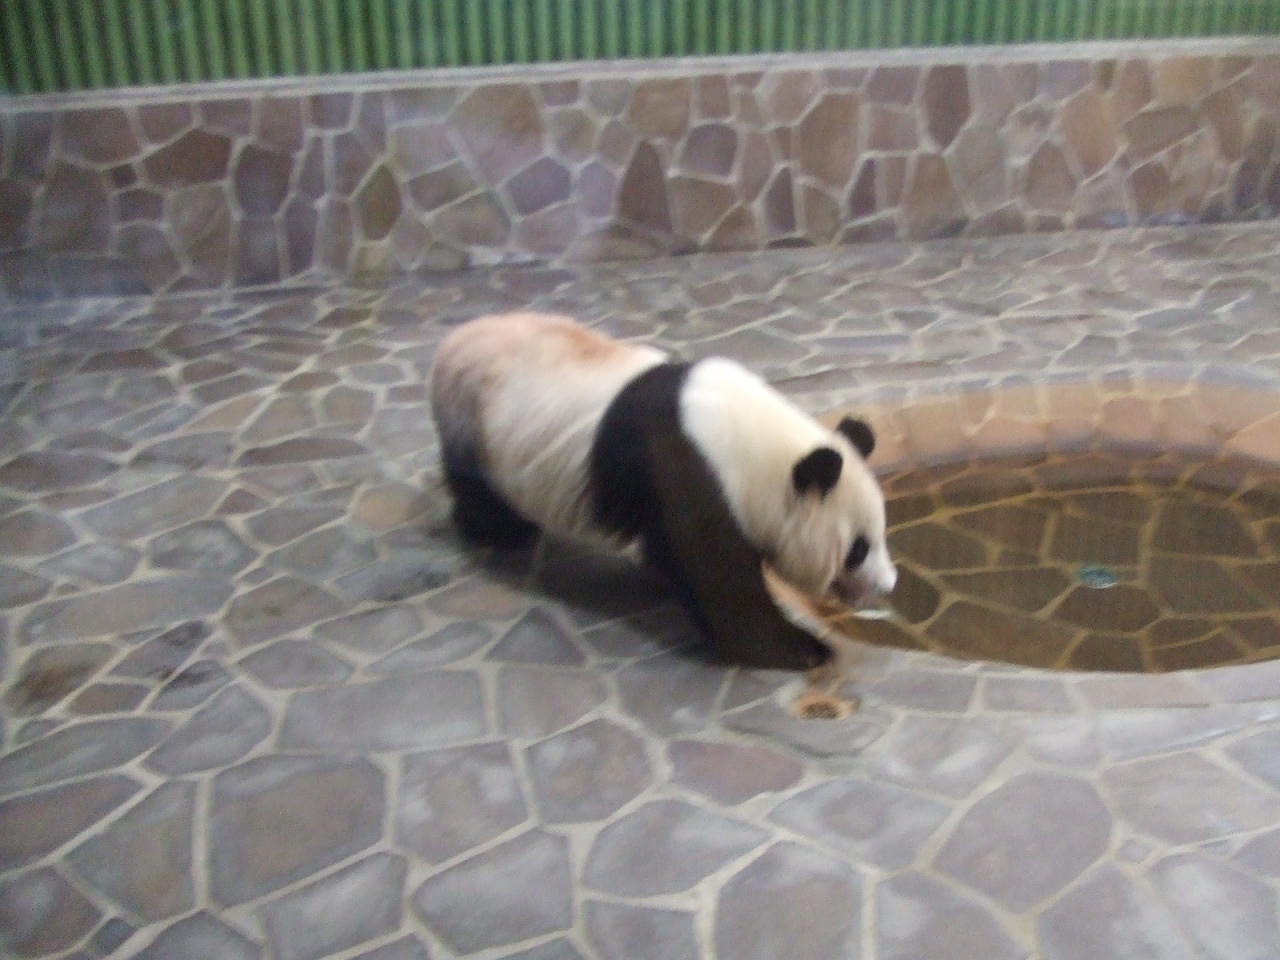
259, 703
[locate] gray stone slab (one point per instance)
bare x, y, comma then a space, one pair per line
940, 755
161, 656
406, 948
405, 712
731, 773
559, 949
79, 750
407, 574
37, 823
162, 507
791, 902
516, 891
1027, 839
191, 686
926, 690
1259, 754
1108, 917
538, 638
1227, 913
918, 916
1185, 798
876, 822
278, 819
672, 693
127, 608
665, 847
536, 701
623, 932
143, 861
200, 937
587, 773
41, 914
453, 800
207, 545
291, 663
372, 631
819, 738
358, 903
218, 734
277, 608
447, 645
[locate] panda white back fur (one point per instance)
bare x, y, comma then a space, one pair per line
545, 424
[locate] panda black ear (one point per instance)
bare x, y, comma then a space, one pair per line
859, 433
818, 471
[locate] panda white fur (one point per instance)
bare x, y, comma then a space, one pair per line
546, 425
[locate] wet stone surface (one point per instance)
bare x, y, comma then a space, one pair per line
260, 703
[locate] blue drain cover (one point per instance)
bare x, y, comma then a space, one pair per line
1099, 578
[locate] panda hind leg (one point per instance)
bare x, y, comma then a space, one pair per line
484, 517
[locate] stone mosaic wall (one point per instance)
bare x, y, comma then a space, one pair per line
197, 188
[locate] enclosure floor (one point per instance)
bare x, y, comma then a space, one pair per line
259, 702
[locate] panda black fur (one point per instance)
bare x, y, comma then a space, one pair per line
546, 425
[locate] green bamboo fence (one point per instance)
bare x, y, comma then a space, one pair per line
50, 45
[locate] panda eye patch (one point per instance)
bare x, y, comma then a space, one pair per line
857, 553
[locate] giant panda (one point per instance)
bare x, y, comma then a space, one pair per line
546, 425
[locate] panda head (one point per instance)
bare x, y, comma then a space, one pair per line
834, 537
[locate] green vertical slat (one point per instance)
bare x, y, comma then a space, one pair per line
90, 41
67, 54
542, 44
855, 25
309, 37
288, 32
1082, 18
635, 26
382, 35
189, 37
451, 29
568, 24
260, 38
591, 28
404, 35
656, 28
142, 50
521, 41
334, 58
166, 50
769, 25
742, 13
46, 55
938, 28
238, 35
20, 47
214, 40
474, 33
701, 26
357, 36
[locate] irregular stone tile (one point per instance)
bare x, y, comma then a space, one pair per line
587, 773
207, 545
285, 524
278, 607
398, 713
79, 750
143, 860
54, 470
535, 702
513, 892
872, 821
112, 935
643, 635
731, 773
98, 564
1129, 734
32, 534
447, 645
1028, 839
500, 126
672, 693
373, 631
665, 847
405, 574
162, 507
1262, 854
622, 932
50, 675
277, 819
926, 690
74, 214
791, 902
537, 638
162, 655
292, 663
826, 738
199, 937
35, 824
300, 450
1027, 694
559, 949
1210, 801
261, 180
916, 916
359, 903
407, 948
195, 157
42, 914
642, 196
1109, 918
191, 686
217, 735
333, 552
453, 800
109, 698
18, 589
1259, 754
938, 755
1227, 913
